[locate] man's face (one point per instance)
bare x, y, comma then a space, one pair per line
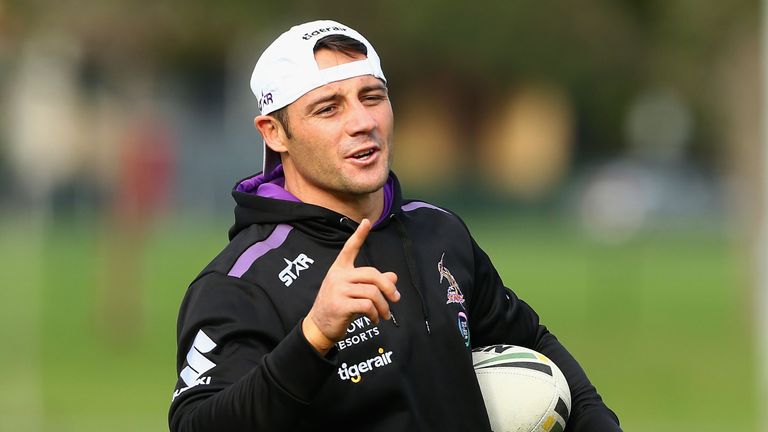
341, 135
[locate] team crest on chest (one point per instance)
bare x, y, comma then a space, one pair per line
454, 292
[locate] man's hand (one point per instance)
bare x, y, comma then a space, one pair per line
348, 291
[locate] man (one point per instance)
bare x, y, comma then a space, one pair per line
337, 305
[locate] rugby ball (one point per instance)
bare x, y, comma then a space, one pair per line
523, 390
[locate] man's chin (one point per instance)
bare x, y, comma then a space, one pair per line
367, 187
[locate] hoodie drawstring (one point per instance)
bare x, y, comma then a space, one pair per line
364, 251
407, 251
405, 241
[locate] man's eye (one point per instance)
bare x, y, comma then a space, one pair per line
373, 98
326, 110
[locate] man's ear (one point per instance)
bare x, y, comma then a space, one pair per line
272, 132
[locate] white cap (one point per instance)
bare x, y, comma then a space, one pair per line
287, 70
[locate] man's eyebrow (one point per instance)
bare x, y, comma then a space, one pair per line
374, 87
321, 99
336, 95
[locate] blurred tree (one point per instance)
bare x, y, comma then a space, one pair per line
603, 52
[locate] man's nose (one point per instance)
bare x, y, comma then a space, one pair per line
360, 119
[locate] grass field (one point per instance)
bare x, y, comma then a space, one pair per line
659, 323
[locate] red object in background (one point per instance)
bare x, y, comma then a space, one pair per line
147, 165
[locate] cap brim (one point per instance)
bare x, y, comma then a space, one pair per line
271, 161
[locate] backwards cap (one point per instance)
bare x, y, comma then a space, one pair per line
287, 70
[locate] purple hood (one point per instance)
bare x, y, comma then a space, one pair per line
263, 199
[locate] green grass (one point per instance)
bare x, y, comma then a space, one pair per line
659, 323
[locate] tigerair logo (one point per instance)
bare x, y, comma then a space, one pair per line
355, 372
310, 35
292, 269
197, 363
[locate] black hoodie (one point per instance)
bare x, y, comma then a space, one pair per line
245, 365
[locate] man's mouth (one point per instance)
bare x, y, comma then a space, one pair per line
365, 154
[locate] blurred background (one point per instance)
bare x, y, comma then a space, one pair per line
605, 153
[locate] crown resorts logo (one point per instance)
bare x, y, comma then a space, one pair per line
358, 331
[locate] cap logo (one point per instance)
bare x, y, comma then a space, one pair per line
287, 69
266, 99
308, 36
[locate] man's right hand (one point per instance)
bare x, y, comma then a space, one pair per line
346, 292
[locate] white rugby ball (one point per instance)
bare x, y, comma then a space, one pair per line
523, 390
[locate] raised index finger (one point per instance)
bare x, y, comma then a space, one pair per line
354, 243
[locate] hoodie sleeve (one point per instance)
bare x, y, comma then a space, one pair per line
240, 367
499, 316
